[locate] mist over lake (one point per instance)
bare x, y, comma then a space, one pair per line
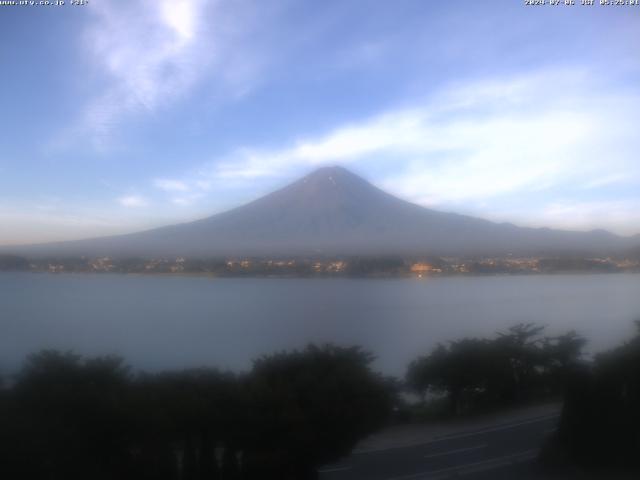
158, 322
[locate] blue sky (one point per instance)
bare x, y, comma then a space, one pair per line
119, 116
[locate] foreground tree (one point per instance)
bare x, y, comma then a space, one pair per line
183, 420
312, 406
600, 423
72, 418
65, 418
517, 366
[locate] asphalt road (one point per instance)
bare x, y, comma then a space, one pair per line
499, 451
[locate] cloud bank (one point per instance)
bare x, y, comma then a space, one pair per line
475, 144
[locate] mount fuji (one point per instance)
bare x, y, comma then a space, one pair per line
332, 211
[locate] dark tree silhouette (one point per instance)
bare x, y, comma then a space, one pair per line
600, 422
363, 266
67, 417
12, 262
183, 419
313, 405
457, 370
517, 366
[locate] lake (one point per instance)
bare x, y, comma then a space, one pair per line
158, 322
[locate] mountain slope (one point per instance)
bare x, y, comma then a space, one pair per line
333, 211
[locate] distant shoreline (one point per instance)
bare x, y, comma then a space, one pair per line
325, 267
323, 276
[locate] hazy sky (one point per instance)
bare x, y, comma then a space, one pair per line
122, 115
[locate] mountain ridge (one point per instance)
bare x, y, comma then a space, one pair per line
332, 211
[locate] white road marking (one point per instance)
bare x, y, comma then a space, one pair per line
468, 468
336, 469
494, 429
455, 436
496, 462
459, 450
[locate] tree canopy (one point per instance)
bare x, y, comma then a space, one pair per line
515, 366
69, 417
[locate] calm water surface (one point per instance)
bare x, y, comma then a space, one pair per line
172, 322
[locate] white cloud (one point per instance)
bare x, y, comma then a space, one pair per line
479, 140
133, 201
474, 143
171, 185
476, 147
181, 201
184, 192
149, 54
616, 215
187, 200
613, 179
